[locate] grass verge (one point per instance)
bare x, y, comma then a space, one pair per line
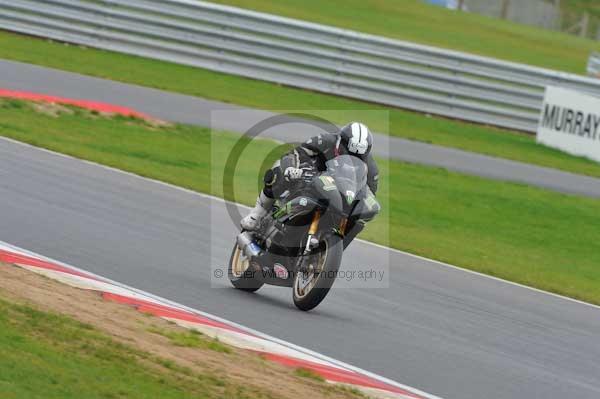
264, 95
524, 234
61, 342
52, 356
416, 21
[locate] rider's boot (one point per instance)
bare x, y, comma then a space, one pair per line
263, 205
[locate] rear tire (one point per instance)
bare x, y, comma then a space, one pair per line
240, 273
309, 299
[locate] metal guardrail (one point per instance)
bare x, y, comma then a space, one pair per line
301, 54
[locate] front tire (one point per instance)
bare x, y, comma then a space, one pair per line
240, 273
329, 259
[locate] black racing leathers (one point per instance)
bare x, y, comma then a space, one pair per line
313, 154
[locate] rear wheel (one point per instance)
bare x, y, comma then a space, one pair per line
312, 285
240, 272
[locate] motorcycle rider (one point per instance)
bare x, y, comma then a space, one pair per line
353, 139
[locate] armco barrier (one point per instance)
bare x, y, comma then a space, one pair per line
301, 54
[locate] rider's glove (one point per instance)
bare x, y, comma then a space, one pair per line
292, 173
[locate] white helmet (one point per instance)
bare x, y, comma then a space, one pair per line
357, 139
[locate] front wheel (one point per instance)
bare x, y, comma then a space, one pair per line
312, 285
240, 273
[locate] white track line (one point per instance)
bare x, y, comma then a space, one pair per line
158, 299
208, 196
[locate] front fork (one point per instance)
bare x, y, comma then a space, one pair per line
312, 241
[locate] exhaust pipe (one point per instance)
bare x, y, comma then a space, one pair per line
246, 243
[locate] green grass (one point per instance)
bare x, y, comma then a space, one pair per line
192, 339
46, 355
528, 235
253, 93
416, 21
306, 373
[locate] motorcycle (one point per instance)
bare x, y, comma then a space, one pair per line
301, 242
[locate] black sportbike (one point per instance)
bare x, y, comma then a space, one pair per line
300, 244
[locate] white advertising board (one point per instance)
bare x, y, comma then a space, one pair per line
570, 121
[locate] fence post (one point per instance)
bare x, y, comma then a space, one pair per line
505, 5
584, 24
559, 14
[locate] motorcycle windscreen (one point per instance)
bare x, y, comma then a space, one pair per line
349, 176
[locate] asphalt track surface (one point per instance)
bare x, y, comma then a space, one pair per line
442, 330
197, 111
